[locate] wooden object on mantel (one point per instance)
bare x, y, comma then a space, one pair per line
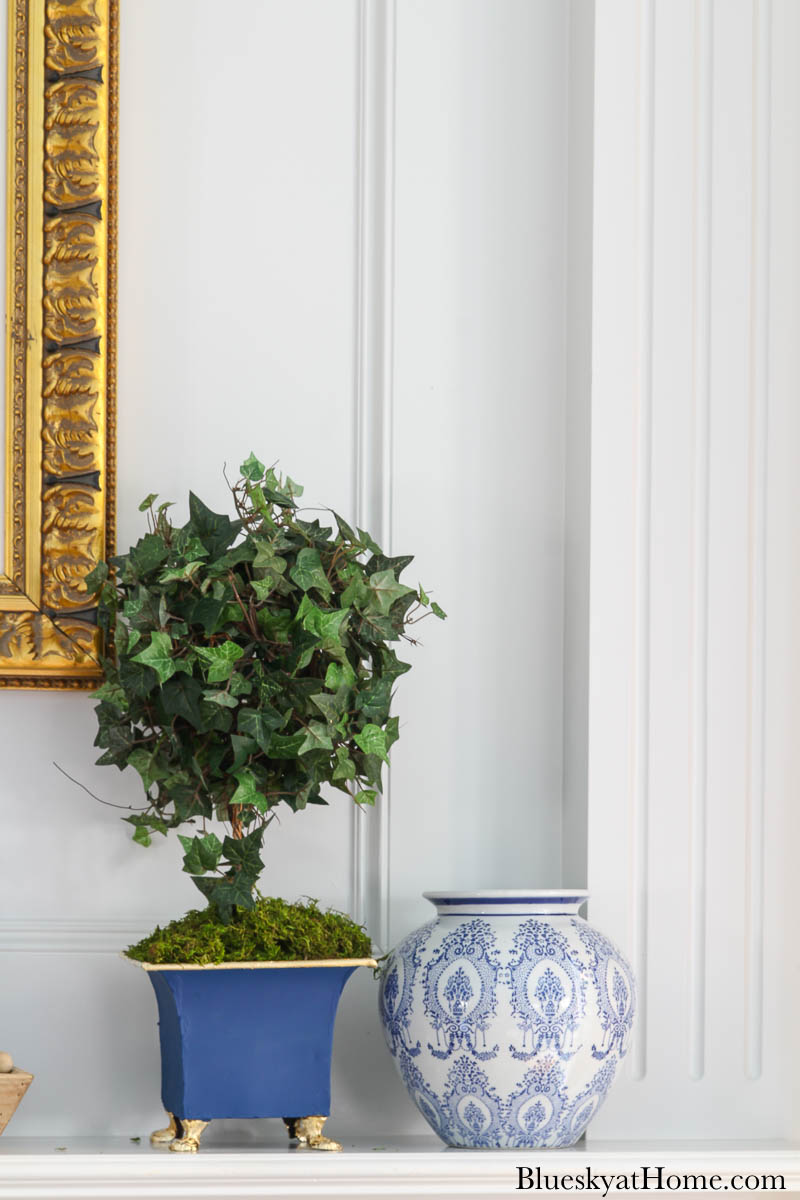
13, 1086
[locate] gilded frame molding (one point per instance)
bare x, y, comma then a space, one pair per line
60, 336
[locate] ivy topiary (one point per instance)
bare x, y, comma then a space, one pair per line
249, 663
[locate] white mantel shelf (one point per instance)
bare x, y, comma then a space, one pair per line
96, 1168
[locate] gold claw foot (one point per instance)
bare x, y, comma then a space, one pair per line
189, 1141
308, 1131
162, 1137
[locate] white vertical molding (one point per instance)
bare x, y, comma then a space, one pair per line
701, 403
712, 679
640, 783
757, 538
374, 370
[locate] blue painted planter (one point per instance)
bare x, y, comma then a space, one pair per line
250, 1041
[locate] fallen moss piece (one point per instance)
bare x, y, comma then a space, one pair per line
273, 931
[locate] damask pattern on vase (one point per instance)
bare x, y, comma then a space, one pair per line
396, 990
460, 991
616, 993
423, 1095
475, 1112
587, 1103
547, 991
535, 1109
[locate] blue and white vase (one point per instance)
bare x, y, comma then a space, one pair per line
508, 1017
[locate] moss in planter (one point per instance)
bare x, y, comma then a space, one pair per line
272, 931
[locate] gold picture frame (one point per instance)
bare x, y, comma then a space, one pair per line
60, 336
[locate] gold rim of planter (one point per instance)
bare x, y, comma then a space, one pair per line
60, 336
229, 966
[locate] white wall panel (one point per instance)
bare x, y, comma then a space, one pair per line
343, 245
481, 172
238, 200
694, 655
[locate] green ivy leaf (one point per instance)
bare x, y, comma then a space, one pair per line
239, 686
316, 738
271, 581
215, 717
207, 612
260, 724
356, 594
307, 572
225, 699
252, 469
374, 700
328, 705
345, 767
366, 796
372, 740
326, 625
147, 764
438, 611
267, 558
112, 693
148, 502
368, 542
96, 578
244, 853
384, 562
392, 730
275, 626
148, 553
242, 748
345, 530
189, 546
233, 558
181, 697
285, 747
215, 530
181, 574
133, 606
202, 854
339, 675
228, 894
385, 590
247, 793
158, 656
220, 660
391, 666
138, 679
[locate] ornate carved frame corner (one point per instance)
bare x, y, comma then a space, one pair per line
60, 336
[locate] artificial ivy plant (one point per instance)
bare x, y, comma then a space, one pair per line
249, 662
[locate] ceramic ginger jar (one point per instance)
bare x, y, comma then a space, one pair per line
508, 1017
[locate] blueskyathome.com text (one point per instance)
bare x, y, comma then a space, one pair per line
644, 1179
